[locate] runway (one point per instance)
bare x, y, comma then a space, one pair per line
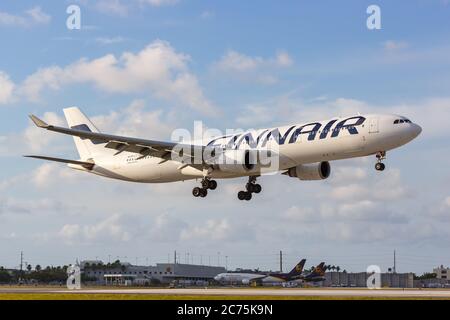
267, 292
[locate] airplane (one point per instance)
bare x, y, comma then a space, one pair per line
301, 151
317, 275
271, 277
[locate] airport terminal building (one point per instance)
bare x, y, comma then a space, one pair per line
161, 273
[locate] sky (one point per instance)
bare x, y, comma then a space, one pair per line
146, 67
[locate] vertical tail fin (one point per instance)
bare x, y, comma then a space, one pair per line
320, 269
298, 269
87, 148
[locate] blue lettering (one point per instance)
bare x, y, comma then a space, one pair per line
326, 129
250, 140
312, 132
351, 127
275, 133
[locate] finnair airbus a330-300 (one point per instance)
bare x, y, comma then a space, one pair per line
300, 151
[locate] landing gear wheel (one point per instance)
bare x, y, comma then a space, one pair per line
379, 166
212, 184
203, 193
205, 183
248, 196
257, 188
196, 192
242, 195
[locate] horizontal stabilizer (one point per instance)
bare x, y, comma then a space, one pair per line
85, 164
40, 123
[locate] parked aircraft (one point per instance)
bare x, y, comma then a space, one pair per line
271, 277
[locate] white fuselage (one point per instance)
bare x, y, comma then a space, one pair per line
337, 138
245, 278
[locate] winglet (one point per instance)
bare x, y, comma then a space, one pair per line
40, 123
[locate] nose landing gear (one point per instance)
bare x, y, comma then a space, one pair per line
203, 191
251, 187
381, 155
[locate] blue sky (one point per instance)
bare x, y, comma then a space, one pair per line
146, 67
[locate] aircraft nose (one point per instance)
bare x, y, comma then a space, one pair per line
416, 130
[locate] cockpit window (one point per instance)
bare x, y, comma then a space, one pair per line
396, 121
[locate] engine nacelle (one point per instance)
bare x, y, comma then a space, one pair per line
313, 171
236, 160
245, 281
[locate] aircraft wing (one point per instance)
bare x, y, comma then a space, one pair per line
144, 147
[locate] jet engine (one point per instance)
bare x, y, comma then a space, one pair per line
245, 281
235, 161
313, 171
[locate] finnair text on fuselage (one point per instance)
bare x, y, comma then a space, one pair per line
260, 139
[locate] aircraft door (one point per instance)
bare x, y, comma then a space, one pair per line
373, 125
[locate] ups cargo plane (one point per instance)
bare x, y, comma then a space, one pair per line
301, 151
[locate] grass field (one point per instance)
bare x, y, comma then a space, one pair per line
100, 296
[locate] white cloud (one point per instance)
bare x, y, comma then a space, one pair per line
42, 173
239, 62
135, 121
212, 229
39, 16
216, 230
50, 174
33, 16
235, 61
70, 231
157, 68
37, 139
301, 214
389, 188
254, 115
114, 7
108, 41
447, 202
110, 229
159, 3
166, 228
283, 59
12, 206
250, 68
7, 19
6, 88
391, 45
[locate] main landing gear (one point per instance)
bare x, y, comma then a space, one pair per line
251, 187
381, 155
202, 192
